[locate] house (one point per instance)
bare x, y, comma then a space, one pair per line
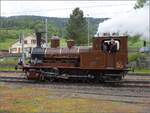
29, 44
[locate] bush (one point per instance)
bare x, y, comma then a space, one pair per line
133, 57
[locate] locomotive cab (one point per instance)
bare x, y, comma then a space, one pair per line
104, 56
104, 62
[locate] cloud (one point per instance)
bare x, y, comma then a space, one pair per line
64, 8
135, 22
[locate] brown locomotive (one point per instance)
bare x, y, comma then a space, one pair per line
98, 62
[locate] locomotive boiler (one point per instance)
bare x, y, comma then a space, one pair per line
100, 62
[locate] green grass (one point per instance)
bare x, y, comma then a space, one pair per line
135, 56
6, 44
28, 99
136, 42
8, 63
9, 60
8, 37
140, 71
6, 68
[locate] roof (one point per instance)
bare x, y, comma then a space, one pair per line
24, 38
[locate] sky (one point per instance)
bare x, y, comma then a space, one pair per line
97, 9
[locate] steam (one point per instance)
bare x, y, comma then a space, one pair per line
135, 22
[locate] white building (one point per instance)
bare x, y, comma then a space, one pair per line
29, 44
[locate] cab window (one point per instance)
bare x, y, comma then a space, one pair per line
110, 45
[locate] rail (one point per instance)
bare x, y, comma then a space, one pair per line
10, 55
19, 71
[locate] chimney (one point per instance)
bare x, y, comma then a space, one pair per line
38, 39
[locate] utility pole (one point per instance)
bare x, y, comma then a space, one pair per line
46, 40
88, 29
22, 42
149, 41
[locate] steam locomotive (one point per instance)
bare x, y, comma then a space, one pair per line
97, 63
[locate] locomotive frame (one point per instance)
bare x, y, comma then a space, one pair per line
78, 62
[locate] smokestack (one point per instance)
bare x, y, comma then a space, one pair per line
38, 39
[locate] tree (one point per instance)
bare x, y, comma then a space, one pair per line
77, 27
139, 4
39, 27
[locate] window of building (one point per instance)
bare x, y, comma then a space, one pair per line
33, 41
13, 49
26, 49
25, 41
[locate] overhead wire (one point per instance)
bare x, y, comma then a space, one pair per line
55, 9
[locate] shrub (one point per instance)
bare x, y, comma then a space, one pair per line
133, 57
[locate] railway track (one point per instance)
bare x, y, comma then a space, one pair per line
124, 92
21, 79
13, 71
18, 77
124, 83
130, 74
131, 90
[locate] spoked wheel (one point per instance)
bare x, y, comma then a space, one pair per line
52, 79
98, 78
118, 78
50, 75
33, 74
